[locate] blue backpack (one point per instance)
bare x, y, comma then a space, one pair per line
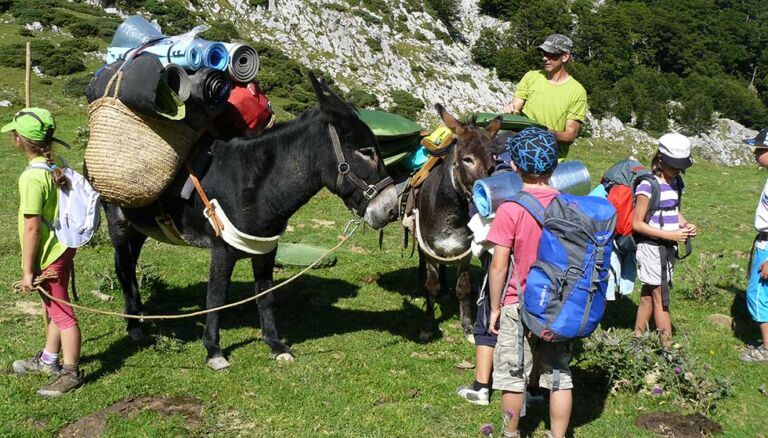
564, 295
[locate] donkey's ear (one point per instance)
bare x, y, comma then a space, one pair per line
494, 126
451, 122
330, 103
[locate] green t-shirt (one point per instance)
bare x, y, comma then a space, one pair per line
38, 195
552, 105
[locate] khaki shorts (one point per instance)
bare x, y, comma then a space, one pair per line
649, 264
510, 373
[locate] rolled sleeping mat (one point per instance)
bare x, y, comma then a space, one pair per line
488, 193
210, 90
215, 55
185, 54
571, 177
243, 62
177, 80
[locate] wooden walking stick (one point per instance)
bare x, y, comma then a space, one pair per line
28, 76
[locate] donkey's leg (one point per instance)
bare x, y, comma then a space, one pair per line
127, 243
464, 294
223, 260
263, 267
432, 284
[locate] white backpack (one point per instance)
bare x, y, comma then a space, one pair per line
78, 216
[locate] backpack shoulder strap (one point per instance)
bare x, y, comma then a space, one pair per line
653, 203
43, 166
530, 204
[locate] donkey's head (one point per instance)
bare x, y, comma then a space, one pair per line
356, 172
473, 152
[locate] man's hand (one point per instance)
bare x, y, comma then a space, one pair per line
495, 319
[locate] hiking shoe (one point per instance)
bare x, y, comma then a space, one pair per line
755, 354
64, 382
35, 365
480, 397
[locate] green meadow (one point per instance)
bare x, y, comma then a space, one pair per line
360, 370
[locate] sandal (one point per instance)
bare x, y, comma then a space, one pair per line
755, 354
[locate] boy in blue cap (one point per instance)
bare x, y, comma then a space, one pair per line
757, 289
515, 232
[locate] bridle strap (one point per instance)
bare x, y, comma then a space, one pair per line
369, 190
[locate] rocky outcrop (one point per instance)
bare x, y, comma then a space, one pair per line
379, 51
723, 144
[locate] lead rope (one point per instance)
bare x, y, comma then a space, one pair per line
47, 275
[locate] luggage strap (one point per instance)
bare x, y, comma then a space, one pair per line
210, 209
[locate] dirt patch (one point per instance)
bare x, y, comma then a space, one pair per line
670, 424
358, 249
319, 223
95, 423
28, 307
720, 319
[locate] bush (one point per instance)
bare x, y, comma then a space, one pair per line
406, 105
61, 64
221, 30
75, 86
83, 29
79, 45
637, 365
362, 98
696, 115
257, 3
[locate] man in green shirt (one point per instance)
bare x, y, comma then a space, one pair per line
551, 96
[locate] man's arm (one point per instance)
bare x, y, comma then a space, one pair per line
570, 133
515, 107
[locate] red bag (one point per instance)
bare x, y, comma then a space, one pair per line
248, 109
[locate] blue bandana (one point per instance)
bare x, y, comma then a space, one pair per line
533, 150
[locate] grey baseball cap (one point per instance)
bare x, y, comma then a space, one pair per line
557, 43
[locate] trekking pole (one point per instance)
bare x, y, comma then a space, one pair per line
28, 76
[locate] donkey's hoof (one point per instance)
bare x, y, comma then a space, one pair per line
470, 338
426, 335
217, 363
136, 334
284, 358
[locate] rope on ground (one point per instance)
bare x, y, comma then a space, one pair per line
49, 275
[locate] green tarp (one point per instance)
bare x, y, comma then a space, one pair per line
299, 255
388, 126
511, 122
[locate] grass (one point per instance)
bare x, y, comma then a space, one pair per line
359, 369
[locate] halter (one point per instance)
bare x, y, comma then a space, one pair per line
345, 170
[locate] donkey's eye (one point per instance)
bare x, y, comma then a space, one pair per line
468, 161
368, 153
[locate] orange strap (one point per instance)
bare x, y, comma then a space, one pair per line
422, 174
215, 221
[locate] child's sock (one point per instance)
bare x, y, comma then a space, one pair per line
477, 386
49, 358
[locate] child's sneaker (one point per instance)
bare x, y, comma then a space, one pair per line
476, 397
35, 365
755, 354
64, 382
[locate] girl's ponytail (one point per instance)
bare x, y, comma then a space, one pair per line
656, 164
58, 175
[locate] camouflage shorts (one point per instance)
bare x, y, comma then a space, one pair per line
512, 374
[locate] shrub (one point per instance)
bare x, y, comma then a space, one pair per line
257, 3
79, 45
26, 32
83, 29
696, 115
61, 64
362, 98
221, 30
75, 86
637, 365
406, 105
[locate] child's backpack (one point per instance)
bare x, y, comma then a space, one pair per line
564, 295
77, 218
620, 181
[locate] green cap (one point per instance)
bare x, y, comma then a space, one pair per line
33, 123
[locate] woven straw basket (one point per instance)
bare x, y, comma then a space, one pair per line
131, 159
